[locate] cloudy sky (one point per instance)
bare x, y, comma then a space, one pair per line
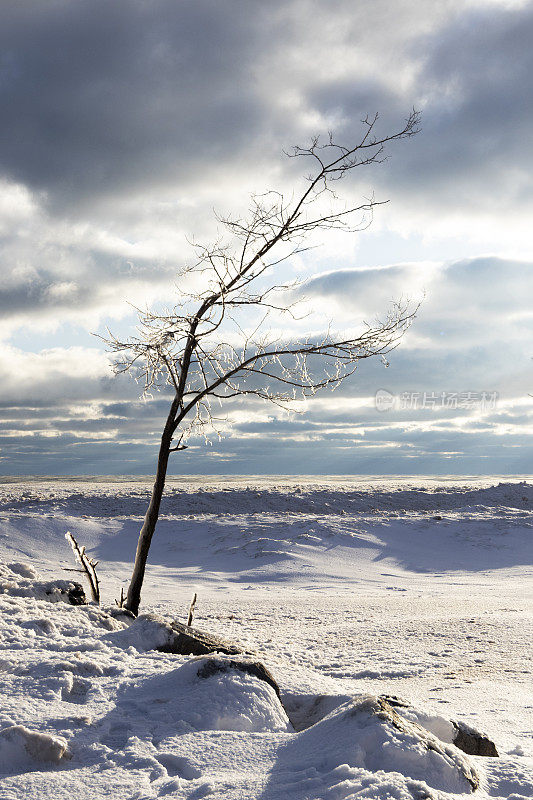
126, 123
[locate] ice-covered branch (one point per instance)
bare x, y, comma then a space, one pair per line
218, 344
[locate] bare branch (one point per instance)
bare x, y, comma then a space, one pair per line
88, 565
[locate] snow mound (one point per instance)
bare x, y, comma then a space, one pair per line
368, 734
20, 748
20, 580
26, 570
143, 633
192, 697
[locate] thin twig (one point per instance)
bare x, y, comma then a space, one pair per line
191, 611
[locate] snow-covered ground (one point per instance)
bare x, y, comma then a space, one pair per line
419, 588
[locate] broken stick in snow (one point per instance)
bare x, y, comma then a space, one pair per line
89, 566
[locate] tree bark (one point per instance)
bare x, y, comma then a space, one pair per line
133, 598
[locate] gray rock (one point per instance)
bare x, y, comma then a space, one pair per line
472, 742
394, 701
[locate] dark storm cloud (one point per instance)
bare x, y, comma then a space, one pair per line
103, 98
473, 279
68, 454
99, 96
479, 81
476, 368
137, 410
44, 407
473, 82
367, 290
379, 452
42, 292
383, 444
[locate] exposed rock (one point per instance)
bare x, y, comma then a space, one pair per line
210, 666
472, 742
152, 632
394, 701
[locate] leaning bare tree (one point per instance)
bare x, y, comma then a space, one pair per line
214, 344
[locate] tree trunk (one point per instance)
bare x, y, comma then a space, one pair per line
133, 598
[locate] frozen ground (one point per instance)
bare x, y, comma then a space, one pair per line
417, 588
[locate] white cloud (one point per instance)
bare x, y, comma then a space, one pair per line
58, 374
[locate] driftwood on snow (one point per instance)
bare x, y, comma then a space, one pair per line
184, 640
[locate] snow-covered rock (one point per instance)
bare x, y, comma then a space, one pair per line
214, 664
367, 733
196, 696
465, 737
